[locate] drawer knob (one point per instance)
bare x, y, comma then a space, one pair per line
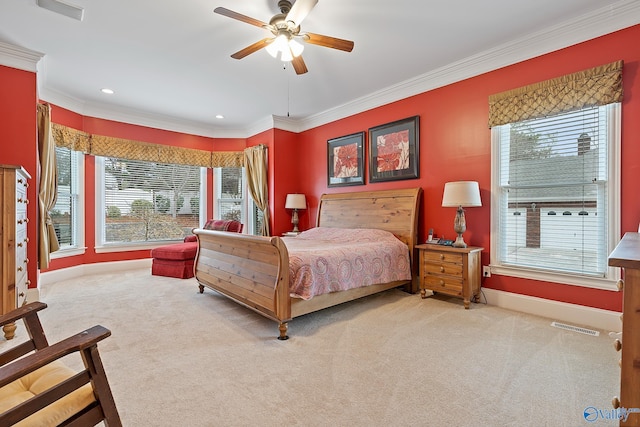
441, 282
19, 268
21, 294
620, 284
19, 244
441, 256
441, 269
617, 344
615, 402
28, 282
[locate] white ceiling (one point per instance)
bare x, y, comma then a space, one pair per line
170, 66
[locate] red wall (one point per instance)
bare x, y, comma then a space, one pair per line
18, 143
455, 144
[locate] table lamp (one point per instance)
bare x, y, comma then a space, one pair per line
461, 194
295, 202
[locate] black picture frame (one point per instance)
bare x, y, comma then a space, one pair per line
345, 160
394, 150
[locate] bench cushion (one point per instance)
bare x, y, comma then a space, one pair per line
38, 381
177, 251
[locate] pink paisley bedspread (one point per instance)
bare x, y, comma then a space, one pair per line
324, 259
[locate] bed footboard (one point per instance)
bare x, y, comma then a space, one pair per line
252, 270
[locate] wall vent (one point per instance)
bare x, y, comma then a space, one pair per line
575, 329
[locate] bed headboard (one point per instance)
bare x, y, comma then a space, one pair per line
393, 210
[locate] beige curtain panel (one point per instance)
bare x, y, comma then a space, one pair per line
107, 146
47, 239
255, 163
597, 86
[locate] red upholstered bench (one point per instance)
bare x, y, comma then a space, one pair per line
176, 260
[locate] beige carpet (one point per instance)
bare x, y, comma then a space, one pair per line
179, 358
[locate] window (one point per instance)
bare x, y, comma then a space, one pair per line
231, 200
67, 214
142, 202
555, 196
230, 194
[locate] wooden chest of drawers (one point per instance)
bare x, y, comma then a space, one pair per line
13, 252
627, 256
449, 270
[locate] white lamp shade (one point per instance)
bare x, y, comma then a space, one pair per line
295, 201
461, 193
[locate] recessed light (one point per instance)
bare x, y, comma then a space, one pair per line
107, 91
219, 116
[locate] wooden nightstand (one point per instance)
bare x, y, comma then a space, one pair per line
449, 270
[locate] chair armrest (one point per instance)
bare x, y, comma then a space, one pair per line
37, 360
21, 312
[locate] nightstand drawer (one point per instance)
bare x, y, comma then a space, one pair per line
440, 257
447, 285
449, 269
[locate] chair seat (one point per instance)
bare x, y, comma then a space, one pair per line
176, 251
25, 388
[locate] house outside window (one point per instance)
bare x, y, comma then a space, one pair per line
555, 191
143, 202
68, 213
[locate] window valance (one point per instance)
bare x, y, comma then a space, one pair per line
596, 86
70, 138
99, 145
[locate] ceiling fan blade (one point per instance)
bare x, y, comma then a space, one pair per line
326, 41
252, 48
300, 10
299, 65
239, 17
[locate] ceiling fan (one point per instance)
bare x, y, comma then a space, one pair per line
285, 28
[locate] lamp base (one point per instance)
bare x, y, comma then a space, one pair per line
459, 243
294, 221
460, 226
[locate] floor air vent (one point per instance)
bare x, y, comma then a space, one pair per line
575, 329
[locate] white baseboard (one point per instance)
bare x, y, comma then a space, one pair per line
54, 276
604, 320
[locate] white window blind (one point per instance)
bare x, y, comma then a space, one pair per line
553, 184
147, 201
65, 215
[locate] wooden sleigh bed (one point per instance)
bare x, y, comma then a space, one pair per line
254, 270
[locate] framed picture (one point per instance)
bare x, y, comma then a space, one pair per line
345, 160
394, 150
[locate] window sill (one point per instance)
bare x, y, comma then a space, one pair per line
64, 253
607, 284
133, 246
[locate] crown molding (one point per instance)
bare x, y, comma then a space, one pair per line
19, 57
623, 14
620, 15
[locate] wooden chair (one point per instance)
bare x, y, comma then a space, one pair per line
36, 388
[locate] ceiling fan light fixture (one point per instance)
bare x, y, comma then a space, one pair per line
287, 55
279, 44
296, 47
